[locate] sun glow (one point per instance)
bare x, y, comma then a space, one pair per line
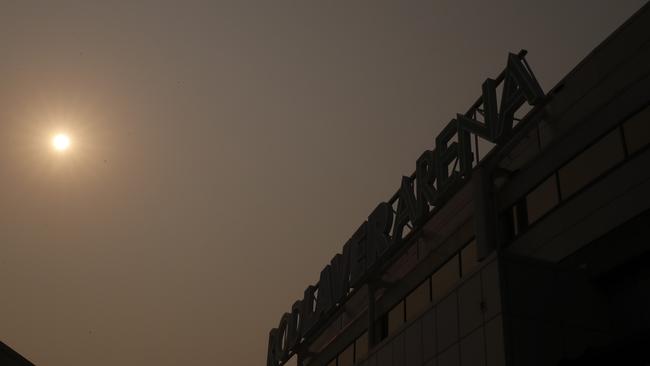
61, 142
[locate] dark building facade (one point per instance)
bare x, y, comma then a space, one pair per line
9, 357
523, 237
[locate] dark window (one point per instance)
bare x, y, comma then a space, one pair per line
382, 327
445, 278
396, 317
542, 199
469, 258
494, 340
361, 348
418, 300
346, 358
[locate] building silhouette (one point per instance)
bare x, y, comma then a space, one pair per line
528, 245
9, 357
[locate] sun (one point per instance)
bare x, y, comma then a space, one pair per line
61, 142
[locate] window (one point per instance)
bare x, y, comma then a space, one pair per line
346, 358
637, 131
361, 348
494, 340
418, 300
445, 278
591, 163
353, 353
542, 199
469, 258
381, 327
395, 317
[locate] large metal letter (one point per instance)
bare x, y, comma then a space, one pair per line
271, 358
446, 153
324, 300
489, 129
377, 239
358, 255
307, 318
407, 209
519, 85
281, 345
425, 175
293, 330
340, 275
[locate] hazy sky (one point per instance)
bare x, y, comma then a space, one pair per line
222, 153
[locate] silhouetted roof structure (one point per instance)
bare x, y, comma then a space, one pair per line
9, 357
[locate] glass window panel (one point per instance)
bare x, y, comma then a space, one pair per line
417, 301
591, 163
491, 283
450, 357
395, 317
445, 278
469, 258
472, 349
637, 131
326, 335
494, 337
361, 348
346, 358
382, 327
542, 199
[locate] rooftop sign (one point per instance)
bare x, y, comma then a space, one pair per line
419, 195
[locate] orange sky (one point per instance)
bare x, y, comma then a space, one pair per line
222, 153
